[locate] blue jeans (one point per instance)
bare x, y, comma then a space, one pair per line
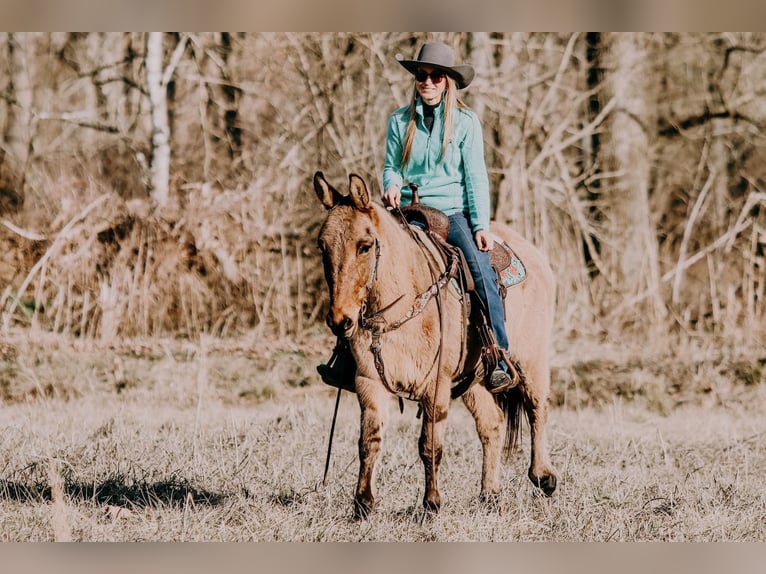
484, 277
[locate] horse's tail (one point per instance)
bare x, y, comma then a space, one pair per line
511, 402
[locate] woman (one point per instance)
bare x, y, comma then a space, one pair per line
436, 142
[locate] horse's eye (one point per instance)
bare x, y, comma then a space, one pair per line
364, 248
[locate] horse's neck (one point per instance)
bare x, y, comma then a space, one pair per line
404, 266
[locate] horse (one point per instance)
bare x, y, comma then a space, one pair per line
414, 346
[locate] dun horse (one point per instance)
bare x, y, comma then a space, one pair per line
377, 273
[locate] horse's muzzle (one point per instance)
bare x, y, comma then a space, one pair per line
341, 326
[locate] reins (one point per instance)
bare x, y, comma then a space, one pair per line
377, 325
451, 270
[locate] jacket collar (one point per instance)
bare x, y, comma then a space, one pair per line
438, 110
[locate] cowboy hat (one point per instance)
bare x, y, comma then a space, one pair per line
439, 55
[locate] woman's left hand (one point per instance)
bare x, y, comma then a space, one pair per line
484, 240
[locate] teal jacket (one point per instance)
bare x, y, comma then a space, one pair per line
459, 182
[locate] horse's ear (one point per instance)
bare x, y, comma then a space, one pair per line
326, 193
358, 192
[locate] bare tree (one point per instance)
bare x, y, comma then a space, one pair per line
635, 160
219, 97
160, 162
631, 245
18, 132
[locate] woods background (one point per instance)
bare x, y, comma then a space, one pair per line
160, 184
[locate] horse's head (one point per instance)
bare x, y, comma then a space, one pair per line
349, 245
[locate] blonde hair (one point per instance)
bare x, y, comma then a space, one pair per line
451, 102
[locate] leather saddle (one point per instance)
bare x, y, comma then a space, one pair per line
508, 267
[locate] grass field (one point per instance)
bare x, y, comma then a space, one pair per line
177, 441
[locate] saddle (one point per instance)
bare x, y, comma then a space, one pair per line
509, 269
429, 218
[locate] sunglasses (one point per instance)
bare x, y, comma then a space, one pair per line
436, 76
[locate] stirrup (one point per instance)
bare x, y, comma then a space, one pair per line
340, 370
501, 380
498, 382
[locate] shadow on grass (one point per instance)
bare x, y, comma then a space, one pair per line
116, 491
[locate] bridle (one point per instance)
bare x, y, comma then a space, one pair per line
373, 268
377, 325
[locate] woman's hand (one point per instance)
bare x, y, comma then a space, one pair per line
484, 240
392, 197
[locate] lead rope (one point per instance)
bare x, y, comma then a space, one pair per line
332, 432
436, 386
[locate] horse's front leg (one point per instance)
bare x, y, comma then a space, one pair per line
372, 404
431, 440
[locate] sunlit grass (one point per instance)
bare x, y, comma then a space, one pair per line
188, 450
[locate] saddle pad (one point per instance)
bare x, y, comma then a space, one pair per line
511, 270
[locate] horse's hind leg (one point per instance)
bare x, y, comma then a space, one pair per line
489, 424
430, 443
372, 406
536, 391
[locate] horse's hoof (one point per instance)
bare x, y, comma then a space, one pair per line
362, 508
490, 500
546, 483
432, 505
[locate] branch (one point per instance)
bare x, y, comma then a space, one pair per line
723, 240
175, 59
554, 145
696, 210
669, 128
31, 235
61, 237
553, 88
753, 199
81, 119
122, 79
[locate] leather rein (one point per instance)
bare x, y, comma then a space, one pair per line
377, 325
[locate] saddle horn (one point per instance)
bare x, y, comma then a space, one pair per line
430, 218
415, 196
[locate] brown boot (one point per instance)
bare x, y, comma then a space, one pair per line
340, 370
504, 377
499, 381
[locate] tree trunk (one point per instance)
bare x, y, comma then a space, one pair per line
631, 247
219, 100
160, 162
230, 95
506, 133
480, 55
18, 126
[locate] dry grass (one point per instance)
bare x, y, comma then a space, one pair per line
148, 426
219, 262
161, 440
